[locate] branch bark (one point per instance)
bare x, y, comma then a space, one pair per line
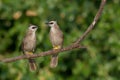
71, 47
92, 25
46, 53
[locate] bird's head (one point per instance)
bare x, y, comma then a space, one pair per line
33, 27
51, 23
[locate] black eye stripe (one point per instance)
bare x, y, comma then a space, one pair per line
51, 23
33, 27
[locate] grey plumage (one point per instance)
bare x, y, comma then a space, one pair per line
29, 44
56, 35
56, 38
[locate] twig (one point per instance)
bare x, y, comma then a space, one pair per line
92, 25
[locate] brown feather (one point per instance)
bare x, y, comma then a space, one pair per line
28, 46
56, 38
29, 42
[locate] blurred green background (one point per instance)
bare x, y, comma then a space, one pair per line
101, 60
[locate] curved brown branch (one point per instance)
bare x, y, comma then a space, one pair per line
72, 46
92, 25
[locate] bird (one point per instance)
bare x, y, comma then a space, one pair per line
56, 38
29, 44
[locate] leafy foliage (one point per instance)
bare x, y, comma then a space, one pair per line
101, 61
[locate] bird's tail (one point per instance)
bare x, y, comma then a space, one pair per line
54, 61
32, 65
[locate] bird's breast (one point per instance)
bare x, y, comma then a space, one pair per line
30, 42
55, 37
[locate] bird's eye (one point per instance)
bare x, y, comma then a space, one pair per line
33, 27
51, 23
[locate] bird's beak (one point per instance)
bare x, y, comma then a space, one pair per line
47, 23
36, 27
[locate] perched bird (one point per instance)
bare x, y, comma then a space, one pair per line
29, 44
56, 38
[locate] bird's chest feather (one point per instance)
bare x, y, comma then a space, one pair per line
54, 36
32, 38
30, 42
54, 33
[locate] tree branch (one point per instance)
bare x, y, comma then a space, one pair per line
71, 47
46, 53
92, 25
